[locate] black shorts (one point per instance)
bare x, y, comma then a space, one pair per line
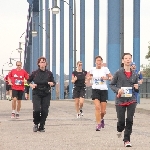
18, 94
8, 87
101, 95
79, 92
27, 89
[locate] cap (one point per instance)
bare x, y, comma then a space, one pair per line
133, 63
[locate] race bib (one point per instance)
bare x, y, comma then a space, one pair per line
98, 81
127, 92
18, 82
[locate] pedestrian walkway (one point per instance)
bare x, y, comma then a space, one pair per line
65, 132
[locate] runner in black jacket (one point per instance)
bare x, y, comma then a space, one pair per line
42, 80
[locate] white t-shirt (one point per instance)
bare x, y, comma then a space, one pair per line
97, 83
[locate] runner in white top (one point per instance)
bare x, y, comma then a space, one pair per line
99, 75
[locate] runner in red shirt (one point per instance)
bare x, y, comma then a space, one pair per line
8, 89
16, 80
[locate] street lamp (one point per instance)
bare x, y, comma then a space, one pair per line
74, 14
55, 9
34, 32
20, 50
10, 64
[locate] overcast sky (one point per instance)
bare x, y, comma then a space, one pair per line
13, 23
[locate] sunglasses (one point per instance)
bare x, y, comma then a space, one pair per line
80, 64
18, 65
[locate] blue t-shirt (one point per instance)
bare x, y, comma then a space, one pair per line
140, 76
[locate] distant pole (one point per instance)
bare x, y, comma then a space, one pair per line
121, 28
47, 35
113, 42
70, 47
54, 49
61, 87
75, 50
20, 57
136, 33
136, 36
82, 33
96, 30
40, 28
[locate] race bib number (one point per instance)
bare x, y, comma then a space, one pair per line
98, 81
18, 82
127, 91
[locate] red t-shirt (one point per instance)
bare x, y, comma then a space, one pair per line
128, 75
6, 79
17, 78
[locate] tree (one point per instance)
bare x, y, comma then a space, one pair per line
148, 54
146, 69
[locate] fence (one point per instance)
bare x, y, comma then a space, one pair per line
145, 88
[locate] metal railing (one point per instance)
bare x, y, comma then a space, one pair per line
145, 88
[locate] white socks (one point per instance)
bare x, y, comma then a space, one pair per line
13, 111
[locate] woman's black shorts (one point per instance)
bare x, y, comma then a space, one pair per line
101, 95
79, 91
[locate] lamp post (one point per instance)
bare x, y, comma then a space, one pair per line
34, 32
75, 35
47, 30
20, 50
55, 10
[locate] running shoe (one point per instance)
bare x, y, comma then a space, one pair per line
81, 112
9, 98
41, 128
17, 116
127, 144
13, 115
98, 127
102, 123
78, 115
35, 128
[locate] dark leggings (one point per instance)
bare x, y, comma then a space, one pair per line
40, 108
129, 120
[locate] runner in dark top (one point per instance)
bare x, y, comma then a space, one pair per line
79, 90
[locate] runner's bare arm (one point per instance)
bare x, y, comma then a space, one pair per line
74, 78
89, 77
113, 83
109, 76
